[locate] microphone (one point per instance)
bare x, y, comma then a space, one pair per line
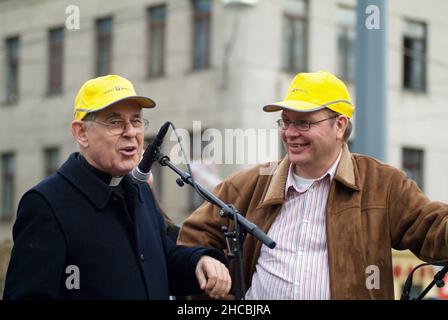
142, 171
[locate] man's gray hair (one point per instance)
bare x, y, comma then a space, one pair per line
89, 117
349, 129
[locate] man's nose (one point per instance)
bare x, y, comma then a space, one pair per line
291, 130
129, 130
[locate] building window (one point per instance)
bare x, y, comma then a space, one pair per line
294, 42
103, 46
156, 41
51, 156
7, 189
12, 70
201, 33
55, 60
414, 56
413, 165
346, 43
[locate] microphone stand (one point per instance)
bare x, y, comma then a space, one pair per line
438, 280
242, 225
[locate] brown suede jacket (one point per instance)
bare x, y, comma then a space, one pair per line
372, 207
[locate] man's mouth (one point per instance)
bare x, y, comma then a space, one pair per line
128, 151
297, 146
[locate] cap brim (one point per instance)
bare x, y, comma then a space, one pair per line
144, 102
294, 105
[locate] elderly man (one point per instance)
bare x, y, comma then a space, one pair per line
334, 215
91, 232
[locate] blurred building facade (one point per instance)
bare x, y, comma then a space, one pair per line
213, 61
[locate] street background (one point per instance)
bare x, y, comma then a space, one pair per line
219, 62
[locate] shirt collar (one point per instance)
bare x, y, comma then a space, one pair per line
331, 172
92, 184
346, 174
103, 176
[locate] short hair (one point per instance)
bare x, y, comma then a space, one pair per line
89, 117
348, 130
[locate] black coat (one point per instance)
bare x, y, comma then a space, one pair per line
74, 218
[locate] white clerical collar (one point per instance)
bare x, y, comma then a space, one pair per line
115, 181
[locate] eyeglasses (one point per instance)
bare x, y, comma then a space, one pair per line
301, 125
118, 126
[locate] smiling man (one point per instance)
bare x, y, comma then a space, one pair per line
334, 215
91, 232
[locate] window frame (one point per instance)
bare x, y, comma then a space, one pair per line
12, 70
152, 28
49, 166
420, 165
407, 59
206, 18
345, 29
288, 60
7, 181
55, 70
103, 38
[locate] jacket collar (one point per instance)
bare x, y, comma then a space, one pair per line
92, 186
275, 193
346, 172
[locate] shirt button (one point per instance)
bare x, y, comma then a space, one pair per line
142, 257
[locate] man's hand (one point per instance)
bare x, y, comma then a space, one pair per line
213, 277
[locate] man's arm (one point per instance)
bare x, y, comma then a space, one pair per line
192, 269
37, 262
417, 223
213, 277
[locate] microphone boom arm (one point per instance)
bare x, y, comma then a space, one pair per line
226, 210
242, 225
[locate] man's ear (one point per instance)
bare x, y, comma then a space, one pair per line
79, 132
341, 124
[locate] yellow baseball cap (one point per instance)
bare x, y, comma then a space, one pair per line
314, 91
99, 93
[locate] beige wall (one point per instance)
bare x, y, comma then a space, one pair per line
420, 120
254, 78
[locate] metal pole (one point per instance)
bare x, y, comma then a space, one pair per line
370, 117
